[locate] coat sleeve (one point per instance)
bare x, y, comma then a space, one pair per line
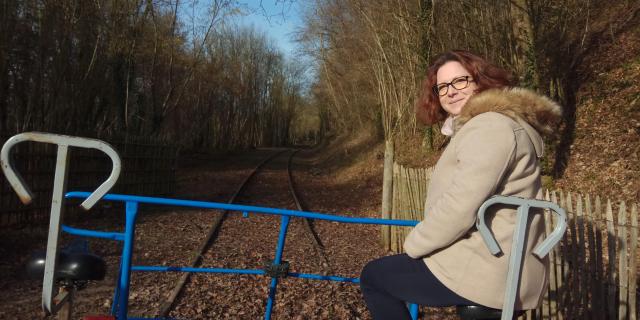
484, 149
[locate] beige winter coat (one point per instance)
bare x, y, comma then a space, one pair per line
495, 150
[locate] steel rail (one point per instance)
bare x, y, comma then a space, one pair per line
168, 304
308, 223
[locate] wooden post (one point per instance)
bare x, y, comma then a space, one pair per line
572, 257
623, 276
530, 314
404, 194
560, 253
600, 266
395, 211
411, 195
405, 191
558, 261
406, 172
594, 281
387, 190
611, 269
550, 299
582, 267
402, 201
633, 263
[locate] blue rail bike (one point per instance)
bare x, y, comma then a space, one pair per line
69, 270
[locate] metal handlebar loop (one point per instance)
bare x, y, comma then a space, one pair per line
515, 257
22, 189
59, 188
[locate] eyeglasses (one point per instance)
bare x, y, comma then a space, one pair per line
458, 83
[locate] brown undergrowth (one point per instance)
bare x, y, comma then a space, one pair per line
605, 154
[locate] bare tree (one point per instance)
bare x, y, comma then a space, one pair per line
163, 69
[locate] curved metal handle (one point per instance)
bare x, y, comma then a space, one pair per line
541, 249
49, 304
517, 245
22, 189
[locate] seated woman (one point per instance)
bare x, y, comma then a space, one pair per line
495, 149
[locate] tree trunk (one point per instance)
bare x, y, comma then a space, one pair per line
524, 58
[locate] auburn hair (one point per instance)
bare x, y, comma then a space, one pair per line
485, 74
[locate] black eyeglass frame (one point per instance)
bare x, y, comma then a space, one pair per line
437, 91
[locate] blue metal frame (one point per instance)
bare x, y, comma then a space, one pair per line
121, 292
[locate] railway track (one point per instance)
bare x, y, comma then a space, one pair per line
243, 194
169, 237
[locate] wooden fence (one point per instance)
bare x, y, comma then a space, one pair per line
595, 266
409, 194
147, 169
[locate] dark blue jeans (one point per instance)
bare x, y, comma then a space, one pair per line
390, 282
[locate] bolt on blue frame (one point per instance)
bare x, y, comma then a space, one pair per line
121, 293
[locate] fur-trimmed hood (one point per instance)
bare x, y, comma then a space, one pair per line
516, 103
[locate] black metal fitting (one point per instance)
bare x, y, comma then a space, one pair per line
277, 270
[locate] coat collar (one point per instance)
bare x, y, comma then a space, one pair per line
516, 103
537, 114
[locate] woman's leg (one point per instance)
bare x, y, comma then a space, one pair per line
389, 282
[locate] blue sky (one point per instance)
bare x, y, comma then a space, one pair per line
278, 19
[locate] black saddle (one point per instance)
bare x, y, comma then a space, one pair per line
75, 266
482, 313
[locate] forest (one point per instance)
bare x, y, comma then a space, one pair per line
113, 69
181, 73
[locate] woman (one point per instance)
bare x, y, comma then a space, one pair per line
495, 148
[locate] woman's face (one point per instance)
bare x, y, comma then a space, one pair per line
450, 78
